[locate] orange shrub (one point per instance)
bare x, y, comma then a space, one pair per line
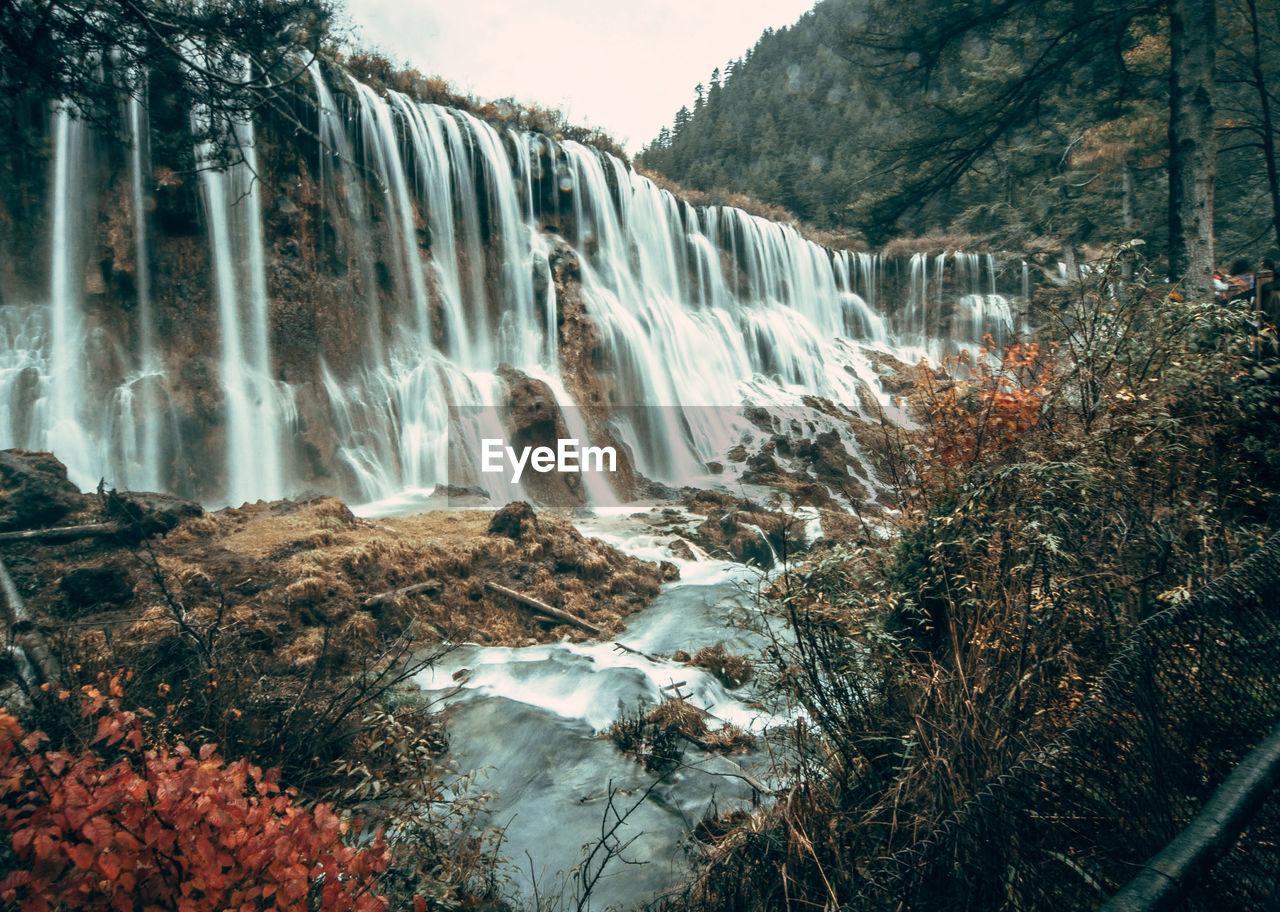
165, 830
987, 408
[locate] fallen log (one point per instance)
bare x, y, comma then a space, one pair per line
381, 597
556, 614
544, 609
15, 609
63, 533
24, 634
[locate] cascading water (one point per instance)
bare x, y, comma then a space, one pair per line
447, 242
396, 419
455, 235
258, 411
65, 432
350, 205
141, 401
681, 339
980, 313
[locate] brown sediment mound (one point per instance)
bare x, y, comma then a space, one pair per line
839, 527
317, 564
291, 579
258, 626
533, 418
291, 572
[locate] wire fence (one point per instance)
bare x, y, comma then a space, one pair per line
1192, 692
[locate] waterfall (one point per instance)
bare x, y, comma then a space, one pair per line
443, 241
980, 311
912, 325
141, 403
257, 410
65, 431
518, 328
400, 420
349, 204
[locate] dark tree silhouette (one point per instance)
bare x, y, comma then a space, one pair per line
225, 57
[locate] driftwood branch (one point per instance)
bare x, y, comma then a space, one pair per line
63, 533
563, 617
544, 609
631, 649
381, 597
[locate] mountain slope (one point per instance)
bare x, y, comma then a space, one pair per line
802, 121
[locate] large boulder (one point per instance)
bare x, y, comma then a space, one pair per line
35, 491
148, 514
727, 534
532, 419
514, 521
828, 458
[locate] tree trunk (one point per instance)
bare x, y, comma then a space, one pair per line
1192, 32
1126, 217
1264, 111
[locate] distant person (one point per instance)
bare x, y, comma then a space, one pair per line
1240, 283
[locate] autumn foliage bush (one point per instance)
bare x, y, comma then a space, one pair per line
1052, 498
119, 826
992, 401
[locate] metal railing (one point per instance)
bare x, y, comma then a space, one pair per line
1193, 692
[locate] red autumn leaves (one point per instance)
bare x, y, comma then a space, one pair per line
167, 829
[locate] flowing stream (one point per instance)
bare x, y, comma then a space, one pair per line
532, 720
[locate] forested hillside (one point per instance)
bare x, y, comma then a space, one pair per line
855, 118
789, 122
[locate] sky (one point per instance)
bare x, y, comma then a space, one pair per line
624, 65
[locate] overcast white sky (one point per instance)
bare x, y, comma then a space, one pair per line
624, 65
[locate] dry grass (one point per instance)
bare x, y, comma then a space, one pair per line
249, 626
732, 670
658, 738
322, 563
932, 243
